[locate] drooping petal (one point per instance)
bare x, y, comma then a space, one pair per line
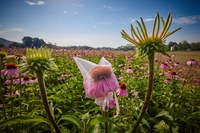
117, 105
84, 66
98, 88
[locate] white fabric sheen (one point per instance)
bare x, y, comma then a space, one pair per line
103, 61
84, 66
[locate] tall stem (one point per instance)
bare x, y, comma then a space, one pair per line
149, 92
41, 82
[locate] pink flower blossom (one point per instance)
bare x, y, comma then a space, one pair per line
99, 82
198, 80
192, 62
135, 93
164, 66
176, 64
129, 70
167, 80
172, 75
122, 90
11, 70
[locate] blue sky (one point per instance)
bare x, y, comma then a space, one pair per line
94, 23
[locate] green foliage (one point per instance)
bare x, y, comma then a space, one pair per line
174, 107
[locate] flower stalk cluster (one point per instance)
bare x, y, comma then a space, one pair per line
148, 45
38, 61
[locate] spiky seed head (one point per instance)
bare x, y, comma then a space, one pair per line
39, 60
2, 54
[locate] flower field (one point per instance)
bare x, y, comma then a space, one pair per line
174, 106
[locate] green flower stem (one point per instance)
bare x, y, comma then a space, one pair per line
106, 123
40, 76
149, 92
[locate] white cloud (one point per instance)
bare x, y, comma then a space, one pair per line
105, 23
145, 20
11, 30
182, 20
110, 8
65, 12
35, 3
187, 19
148, 19
75, 13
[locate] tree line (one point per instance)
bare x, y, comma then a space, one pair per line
184, 45
28, 41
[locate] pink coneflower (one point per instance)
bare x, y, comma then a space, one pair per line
167, 80
1, 106
129, 70
19, 56
155, 61
192, 62
33, 80
135, 93
11, 70
120, 65
102, 81
121, 78
25, 80
176, 64
164, 66
99, 82
142, 67
122, 90
198, 80
172, 75
65, 75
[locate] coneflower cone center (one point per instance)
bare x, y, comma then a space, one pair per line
26, 78
173, 73
100, 72
122, 85
33, 78
11, 66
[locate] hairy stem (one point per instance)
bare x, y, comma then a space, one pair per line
41, 82
149, 92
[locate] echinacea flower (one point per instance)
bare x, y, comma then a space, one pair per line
25, 80
129, 70
192, 62
19, 56
11, 70
122, 90
172, 75
147, 45
198, 80
164, 66
99, 82
33, 80
167, 80
136, 93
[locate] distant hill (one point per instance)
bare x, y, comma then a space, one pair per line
5, 42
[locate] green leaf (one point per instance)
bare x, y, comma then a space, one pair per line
22, 120
72, 119
165, 114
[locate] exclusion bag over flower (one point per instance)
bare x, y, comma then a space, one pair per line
99, 81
